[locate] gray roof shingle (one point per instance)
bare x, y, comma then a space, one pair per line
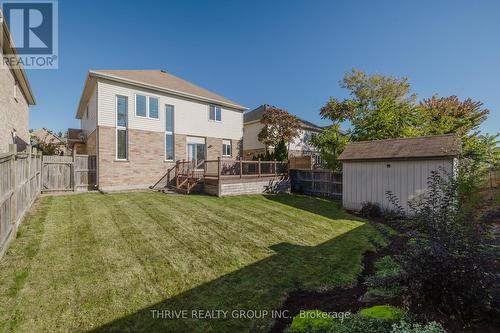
165, 80
404, 148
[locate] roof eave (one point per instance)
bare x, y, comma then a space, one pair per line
79, 110
18, 72
406, 158
170, 91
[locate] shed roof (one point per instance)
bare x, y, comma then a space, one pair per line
404, 148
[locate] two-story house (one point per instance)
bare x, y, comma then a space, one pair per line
300, 146
15, 97
139, 122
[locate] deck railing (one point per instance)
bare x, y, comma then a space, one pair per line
185, 174
237, 168
230, 168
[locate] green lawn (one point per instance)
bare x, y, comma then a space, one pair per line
103, 262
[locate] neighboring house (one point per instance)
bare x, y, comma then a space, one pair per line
15, 98
47, 137
301, 146
402, 166
139, 122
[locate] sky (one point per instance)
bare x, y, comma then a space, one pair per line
291, 54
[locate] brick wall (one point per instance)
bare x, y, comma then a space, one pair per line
145, 165
146, 158
13, 112
214, 148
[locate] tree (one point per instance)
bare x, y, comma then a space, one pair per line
444, 115
279, 126
380, 107
370, 89
331, 142
280, 151
383, 107
388, 119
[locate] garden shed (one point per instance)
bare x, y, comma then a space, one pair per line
402, 166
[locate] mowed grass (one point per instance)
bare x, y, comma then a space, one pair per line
103, 262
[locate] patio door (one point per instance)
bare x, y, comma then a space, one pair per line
196, 149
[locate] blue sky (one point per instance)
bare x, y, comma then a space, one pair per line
290, 54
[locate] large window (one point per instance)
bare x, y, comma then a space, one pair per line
146, 106
153, 107
226, 147
215, 113
169, 132
121, 128
140, 106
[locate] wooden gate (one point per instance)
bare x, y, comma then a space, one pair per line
68, 173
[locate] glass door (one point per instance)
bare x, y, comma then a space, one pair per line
196, 152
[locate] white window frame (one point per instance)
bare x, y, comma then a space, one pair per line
215, 113
147, 106
169, 132
230, 147
158, 107
121, 128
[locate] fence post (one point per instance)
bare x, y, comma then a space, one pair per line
74, 170
258, 167
218, 167
40, 170
27, 172
275, 171
177, 174
241, 167
13, 184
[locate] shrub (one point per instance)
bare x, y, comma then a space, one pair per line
311, 321
385, 281
405, 327
370, 209
384, 312
360, 324
445, 265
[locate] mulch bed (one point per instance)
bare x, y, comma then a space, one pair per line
348, 299
340, 299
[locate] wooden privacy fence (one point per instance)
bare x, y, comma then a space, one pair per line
301, 162
317, 182
68, 173
19, 187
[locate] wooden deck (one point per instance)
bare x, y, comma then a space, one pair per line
228, 177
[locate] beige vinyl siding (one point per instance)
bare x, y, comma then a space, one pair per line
191, 117
370, 180
251, 141
303, 141
250, 136
89, 124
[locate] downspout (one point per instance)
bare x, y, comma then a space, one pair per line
97, 134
